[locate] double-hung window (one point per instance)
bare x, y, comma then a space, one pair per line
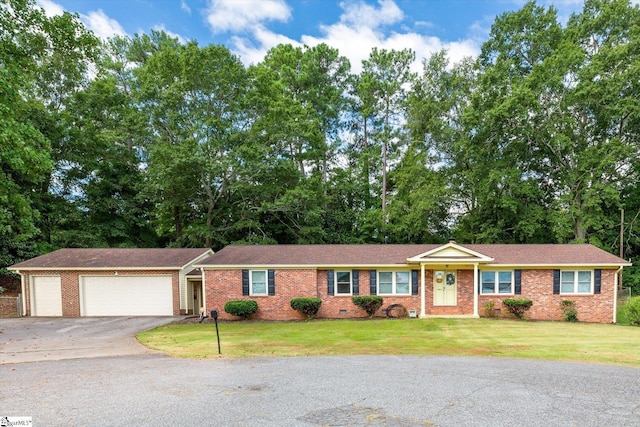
394, 283
496, 282
576, 282
258, 282
343, 283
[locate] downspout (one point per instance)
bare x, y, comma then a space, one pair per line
204, 292
23, 311
475, 290
615, 295
422, 292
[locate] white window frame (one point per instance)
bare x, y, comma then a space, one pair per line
335, 281
266, 283
576, 275
394, 289
496, 282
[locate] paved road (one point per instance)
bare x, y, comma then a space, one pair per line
153, 389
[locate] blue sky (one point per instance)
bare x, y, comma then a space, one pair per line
249, 28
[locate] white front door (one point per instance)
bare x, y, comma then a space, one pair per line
445, 288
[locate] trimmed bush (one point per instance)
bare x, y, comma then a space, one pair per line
307, 306
241, 308
632, 310
569, 311
517, 306
369, 303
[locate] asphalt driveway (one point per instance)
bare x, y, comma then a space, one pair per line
33, 339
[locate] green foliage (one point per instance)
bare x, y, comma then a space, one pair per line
369, 303
241, 308
307, 306
569, 312
488, 308
632, 310
517, 306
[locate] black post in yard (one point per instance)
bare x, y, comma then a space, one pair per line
214, 314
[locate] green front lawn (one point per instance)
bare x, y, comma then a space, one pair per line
469, 337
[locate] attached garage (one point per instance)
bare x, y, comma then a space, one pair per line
112, 282
47, 296
126, 296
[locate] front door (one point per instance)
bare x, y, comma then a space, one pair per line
445, 288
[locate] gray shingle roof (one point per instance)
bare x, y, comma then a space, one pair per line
172, 258
366, 255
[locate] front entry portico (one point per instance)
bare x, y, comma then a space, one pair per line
449, 277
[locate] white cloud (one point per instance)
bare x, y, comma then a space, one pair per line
50, 8
222, 15
360, 27
366, 15
101, 25
184, 6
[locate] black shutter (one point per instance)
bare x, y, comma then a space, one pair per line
330, 282
355, 281
517, 285
271, 281
415, 281
373, 282
556, 282
245, 282
597, 281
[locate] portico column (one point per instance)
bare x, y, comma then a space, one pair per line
422, 292
475, 290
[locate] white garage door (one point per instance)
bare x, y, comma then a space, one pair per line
46, 296
126, 296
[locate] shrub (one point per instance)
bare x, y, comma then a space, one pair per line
370, 303
242, 308
307, 306
517, 306
569, 311
632, 310
489, 308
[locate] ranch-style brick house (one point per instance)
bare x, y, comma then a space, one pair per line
449, 280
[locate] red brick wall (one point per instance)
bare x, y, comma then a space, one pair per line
222, 286
537, 285
70, 287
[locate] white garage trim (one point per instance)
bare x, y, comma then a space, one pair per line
46, 296
144, 295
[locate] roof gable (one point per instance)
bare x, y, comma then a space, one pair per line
450, 253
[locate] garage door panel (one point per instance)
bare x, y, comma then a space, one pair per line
127, 296
46, 299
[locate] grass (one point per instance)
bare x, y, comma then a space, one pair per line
597, 343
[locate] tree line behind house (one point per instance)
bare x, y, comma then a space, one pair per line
146, 141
